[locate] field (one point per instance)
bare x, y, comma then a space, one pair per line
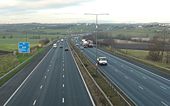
133, 32
12, 44
142, 54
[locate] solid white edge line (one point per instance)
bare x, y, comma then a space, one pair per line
26, 79
163, 87
164, 103
83, 79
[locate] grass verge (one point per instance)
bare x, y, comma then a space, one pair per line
21, 66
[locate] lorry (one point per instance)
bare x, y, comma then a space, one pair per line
84, 43
87, 43
90, 43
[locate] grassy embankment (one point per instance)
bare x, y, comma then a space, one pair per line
140, 56
19, 59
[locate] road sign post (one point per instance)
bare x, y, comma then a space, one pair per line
24, 47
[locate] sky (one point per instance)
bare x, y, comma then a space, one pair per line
73, 11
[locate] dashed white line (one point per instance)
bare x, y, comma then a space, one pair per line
41, 86
164, 103
63, 69
63, 76
63, 85
131, 70
34, 102
126, 77
26, 78
116, 70
62, 100
48, 70
45, 77
144, 77
163, 87
140, 87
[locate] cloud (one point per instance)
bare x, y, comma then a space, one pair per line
24, 7
38, 4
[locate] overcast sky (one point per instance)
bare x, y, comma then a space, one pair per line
72, 11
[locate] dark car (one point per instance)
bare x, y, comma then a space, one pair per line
66, 49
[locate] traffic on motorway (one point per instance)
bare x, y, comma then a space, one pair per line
138, 83
84, 53
56, 80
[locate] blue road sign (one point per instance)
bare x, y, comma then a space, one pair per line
24, 47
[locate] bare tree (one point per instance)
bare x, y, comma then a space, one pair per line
155, 49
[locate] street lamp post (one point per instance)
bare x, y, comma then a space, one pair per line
96, 30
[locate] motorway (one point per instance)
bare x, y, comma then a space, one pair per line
143, 87
55, 81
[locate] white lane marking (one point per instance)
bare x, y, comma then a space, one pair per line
34, 102
62, 100
164, 103
116, 70
126, 77
41, 86
45, 77
63, 69
63, 85
131, 70
144, 77
48, 70
63, 76
163, 87
26, 79
140, 87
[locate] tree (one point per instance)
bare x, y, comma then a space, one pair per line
168, 52
10, 36
3, 36
155, 49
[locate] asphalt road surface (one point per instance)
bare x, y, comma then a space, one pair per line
55, 81
140, 85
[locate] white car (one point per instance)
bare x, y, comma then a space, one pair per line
102, 60
54, 45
